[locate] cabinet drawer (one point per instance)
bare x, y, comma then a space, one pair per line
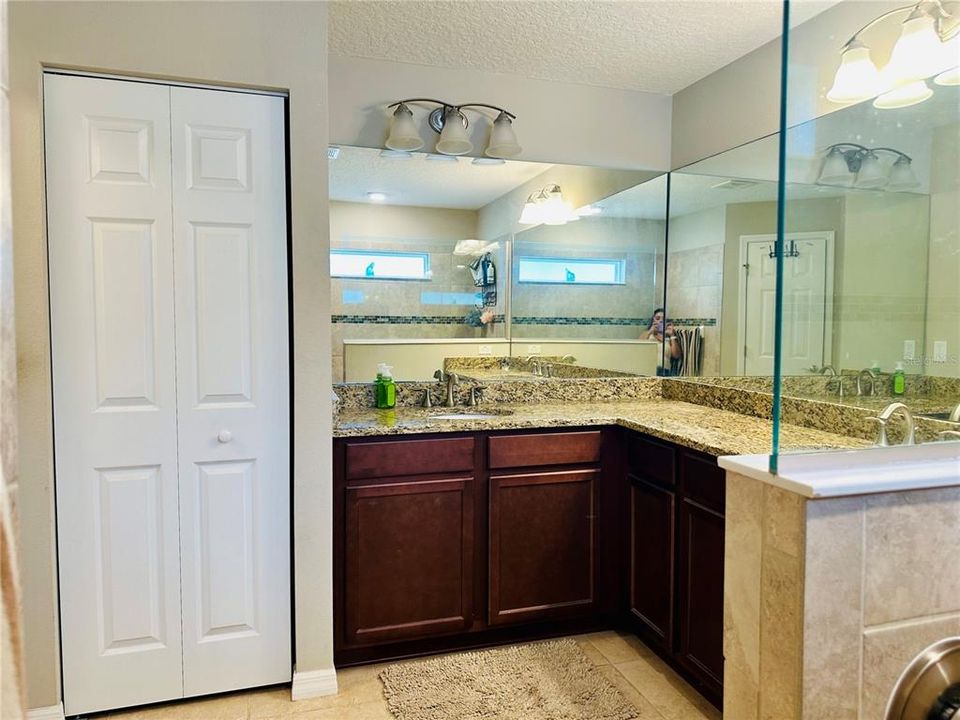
408, 457
651, 460
563, 448
704, 481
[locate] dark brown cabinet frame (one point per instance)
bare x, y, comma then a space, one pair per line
633, 524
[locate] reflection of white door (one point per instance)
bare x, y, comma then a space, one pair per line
167, 254
807, 296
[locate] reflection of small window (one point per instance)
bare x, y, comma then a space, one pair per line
571, 271
373, 265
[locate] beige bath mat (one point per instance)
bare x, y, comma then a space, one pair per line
541, 681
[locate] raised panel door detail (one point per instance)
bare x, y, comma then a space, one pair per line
219, 158
110, 242
225, 340
124, 307
701, 593
651, 558
227, 573
120, 150
542, 545
408, 557
130, 577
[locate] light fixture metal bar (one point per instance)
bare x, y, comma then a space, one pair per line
862, 148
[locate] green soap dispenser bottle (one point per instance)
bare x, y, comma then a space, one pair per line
899, 380
386, 388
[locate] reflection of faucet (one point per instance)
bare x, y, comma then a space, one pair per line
568, 359
825, 368
452, 382
889, 411
871, 377
955, 415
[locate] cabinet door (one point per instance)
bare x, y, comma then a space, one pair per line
408, 559
230, 251
543, 543
651, 558
114, 390
701, 592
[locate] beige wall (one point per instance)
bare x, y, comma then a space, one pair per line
556, 122
739, 102
943, 279
275, 45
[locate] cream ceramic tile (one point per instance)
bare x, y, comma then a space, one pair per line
367, 711
832, 609
741, 611
781, 636
590, 650
619, 647
784, 521
912, 541
666, 691
646, 709
888, 649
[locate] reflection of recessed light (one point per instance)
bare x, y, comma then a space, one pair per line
400, 154
442, 158
376, 196
588, 210
488, 161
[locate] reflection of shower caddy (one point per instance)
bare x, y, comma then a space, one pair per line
484, 272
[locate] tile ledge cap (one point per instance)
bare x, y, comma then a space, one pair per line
856, 472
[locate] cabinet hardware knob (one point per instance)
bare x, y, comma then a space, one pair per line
224, 436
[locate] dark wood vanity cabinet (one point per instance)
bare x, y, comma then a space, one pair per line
676, 548
463, 539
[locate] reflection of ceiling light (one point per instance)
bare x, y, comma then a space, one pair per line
376, 196
474, 247
589, 211
547, 207
442, 158
852, 165
489, 161
903, 96
452, 124
398, 154
928, 46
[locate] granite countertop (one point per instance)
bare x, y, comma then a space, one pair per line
718, 432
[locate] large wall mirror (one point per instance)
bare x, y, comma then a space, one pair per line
511, 266
872, 256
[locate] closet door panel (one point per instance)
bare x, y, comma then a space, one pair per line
230, 240
112, 328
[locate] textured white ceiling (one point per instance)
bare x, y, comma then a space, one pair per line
658, 46
425, 183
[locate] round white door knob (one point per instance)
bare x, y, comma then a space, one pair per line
224, 436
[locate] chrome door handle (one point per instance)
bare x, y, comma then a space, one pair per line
224, 436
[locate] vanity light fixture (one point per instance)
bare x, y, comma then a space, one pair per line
853, 165
450, 121
926, 48
547, 207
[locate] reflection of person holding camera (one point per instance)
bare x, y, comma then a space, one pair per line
663, 333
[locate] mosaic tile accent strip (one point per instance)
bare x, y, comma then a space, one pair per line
404, 319
539, 320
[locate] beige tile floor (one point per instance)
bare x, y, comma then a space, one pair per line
643, 678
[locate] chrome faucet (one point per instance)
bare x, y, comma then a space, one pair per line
476, 395
452, 382
825, 368
871, 376
889, 411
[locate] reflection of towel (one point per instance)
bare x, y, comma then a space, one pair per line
691, 351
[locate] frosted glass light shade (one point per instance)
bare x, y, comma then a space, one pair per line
532, 210
857, 78
454, 139
871, 175
835, 170
503, 139
918, 53
403, 131
948, 77
557, 211
902, 176
903, 96
951, 63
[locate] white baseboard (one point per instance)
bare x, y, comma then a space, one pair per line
314, 683
54, 712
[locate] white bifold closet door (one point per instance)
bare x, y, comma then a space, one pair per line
168, 289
